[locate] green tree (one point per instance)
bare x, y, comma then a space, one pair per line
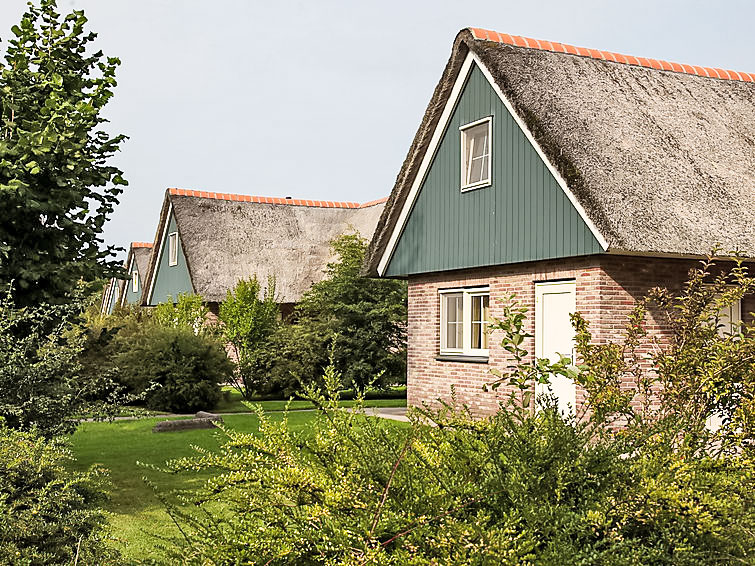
360, 319
56, 187
249, 317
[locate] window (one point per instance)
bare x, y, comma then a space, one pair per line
729, 318
464, 321
173, 248
476, 166
135, 281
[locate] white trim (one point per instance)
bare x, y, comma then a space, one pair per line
159, 257
426, 160
466, 294
128, 268
135, 281
173, 249
435, 142
486, 182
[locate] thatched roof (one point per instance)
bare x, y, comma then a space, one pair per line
660, 156
229, 237
141, 251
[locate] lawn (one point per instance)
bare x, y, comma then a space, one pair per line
232, 401
117, 446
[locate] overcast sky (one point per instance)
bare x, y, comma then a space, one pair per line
321, 99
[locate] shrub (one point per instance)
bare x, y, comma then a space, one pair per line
249, 317
42, 384
188, 310
50, 514
176, 369
522, 487
360, 319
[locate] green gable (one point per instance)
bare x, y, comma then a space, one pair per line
170, 280
132, 298
523, 216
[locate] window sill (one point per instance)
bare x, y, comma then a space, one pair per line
476, 186
462, 358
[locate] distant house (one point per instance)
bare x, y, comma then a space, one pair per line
136, 265
207, 242
576, 179
111, 295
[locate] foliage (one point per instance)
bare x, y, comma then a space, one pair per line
249, 317
361, 319
50, 515
522, 487
56, 188
175, 369
42, 385
188, 310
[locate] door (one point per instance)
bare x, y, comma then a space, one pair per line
554, 335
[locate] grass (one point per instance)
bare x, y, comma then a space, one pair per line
232, 402
137, 514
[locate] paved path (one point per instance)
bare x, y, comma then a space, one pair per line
392, 413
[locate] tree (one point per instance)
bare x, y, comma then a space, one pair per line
249, 318
188, 310
362, 320
56, 187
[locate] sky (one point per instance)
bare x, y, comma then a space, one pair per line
321, 99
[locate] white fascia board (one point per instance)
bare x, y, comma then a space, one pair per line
440, 128
435, 142
122, 299
160, 244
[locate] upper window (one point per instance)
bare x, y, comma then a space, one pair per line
135, 281
173, 248
476, 142
464, 321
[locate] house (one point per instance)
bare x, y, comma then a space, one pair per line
136, 265
111, 295
206, 242
575, 178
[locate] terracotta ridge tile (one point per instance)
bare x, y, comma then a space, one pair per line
141, 244
658, 64
271, 200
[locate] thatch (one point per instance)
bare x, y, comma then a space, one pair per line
226, 239
141, 257
662, 162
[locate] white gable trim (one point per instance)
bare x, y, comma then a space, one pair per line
125, 285
161, 244
435, 143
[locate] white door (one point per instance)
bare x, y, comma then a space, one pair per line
554, 336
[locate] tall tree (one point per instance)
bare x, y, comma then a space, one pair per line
56, 186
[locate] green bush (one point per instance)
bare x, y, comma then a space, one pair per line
361, 321
175, 369
188, 310
49, 514
42, 381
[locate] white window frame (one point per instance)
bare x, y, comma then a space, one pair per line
462, 136
134, 281
467, 293
734, 320
173, 248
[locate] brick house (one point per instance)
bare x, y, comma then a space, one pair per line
576, 179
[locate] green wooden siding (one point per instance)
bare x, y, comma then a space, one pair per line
113, 298
523, 216
171, 280
131, 297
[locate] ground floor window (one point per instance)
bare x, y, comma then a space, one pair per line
464, 321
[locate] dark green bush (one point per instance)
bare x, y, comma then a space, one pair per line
49, 515
176, 369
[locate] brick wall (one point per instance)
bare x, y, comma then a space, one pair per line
607, 288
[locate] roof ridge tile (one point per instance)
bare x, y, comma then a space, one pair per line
658, 64
272, 200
